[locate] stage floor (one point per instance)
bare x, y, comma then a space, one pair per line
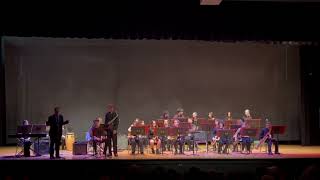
287, 152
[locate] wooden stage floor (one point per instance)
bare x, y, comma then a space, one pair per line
287, 152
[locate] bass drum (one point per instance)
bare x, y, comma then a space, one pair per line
70, 139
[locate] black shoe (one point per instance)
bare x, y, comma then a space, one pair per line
109, 155
152, 150
141, 153
270, 153
58, 157
116, 155
51, 157
277, 153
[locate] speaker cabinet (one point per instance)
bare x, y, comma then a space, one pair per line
80, 148
43, 147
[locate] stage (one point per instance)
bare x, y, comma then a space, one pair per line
287, 152
290, 163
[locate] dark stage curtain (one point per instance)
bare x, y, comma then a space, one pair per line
175, 19
2, 98
310, 95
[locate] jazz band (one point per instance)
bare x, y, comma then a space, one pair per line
171, 134
220, 142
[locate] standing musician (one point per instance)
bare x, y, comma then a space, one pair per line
97, 134
133, 139
246, 140
153, 139
222, 141
55, 122
179, 140
179, 114
111, 122
265, 133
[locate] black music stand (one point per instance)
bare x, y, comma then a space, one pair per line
39, 129
234, 126
182, 131
183, 120
207, 128
136, 131
225, 133
162, 132
278, 130
251, 132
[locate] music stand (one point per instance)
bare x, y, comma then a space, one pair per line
207, 128
173, 131
162, 132
278, 130
185, 125
225, 133
253, 123
136, 131
183, 120
25, 129
251, 132
39, 129
182, 131
235, 126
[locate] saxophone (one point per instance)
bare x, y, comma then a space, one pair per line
263, 140
235, 136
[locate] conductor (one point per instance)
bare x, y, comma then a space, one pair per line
55, 122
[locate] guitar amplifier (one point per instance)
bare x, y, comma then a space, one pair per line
80, 148
43, 147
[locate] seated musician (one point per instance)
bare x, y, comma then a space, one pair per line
165, 115
190, 138
229, 117
154, 140
247, 115
269, 140
179, 140
215, 138
179, 114
195, 119
26, 141
246, 140
222, 141
133, 139
97, 134
210, 116
167, 142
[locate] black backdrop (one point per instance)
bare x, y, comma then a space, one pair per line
310, 120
